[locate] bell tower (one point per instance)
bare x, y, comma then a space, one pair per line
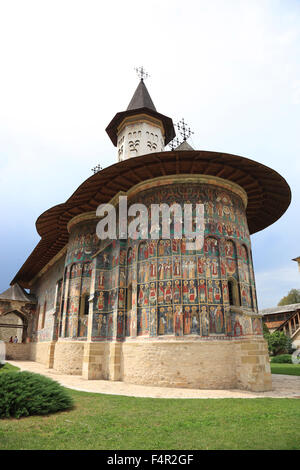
140, 129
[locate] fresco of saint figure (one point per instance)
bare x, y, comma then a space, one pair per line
153, 327
201, 266
228, 321
100, 280
162, 321
202, 291
212, 319
219, 320
237, 329
178, 321
204, 321
153, 270
121, 298
192, 292
168, 269
146, 296
208, 268
152, 248
176, 266
161, 270
215, 267
185, 266
192, 268
195, 326
120, 325
257, 326
187, 321
176, 292
175, 246
229, 249
161, 248
161, 293
129, 256
152, 294
217, 292
168, 293
225, 292
185, 292
210, 292
169, 320
141, 295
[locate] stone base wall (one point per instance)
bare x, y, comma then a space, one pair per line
68, 357
18, 351
237, 364
204, 365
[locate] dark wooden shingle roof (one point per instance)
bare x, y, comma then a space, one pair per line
268, 195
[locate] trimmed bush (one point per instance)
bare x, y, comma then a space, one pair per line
282, 359
25, 394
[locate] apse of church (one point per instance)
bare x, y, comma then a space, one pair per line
150, 288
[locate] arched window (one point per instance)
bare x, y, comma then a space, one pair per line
233, 292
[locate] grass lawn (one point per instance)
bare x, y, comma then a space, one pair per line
117, 422
287, 369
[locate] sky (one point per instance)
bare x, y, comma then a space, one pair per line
231, 68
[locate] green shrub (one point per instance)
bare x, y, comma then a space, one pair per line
25, 394
282, 359
8, 368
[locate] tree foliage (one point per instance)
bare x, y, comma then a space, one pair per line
293, 297
278, 343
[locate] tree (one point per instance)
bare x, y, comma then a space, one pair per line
278, 343
266, 331
293, 297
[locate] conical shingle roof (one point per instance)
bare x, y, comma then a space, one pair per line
141, 98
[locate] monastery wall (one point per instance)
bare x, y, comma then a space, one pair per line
46, 289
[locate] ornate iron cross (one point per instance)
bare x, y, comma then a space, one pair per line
97, 168
141, 73
183, 129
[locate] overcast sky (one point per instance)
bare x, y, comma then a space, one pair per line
231, 68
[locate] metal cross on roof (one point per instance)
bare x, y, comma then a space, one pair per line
183, 129
174, 143
141, 73
97, 168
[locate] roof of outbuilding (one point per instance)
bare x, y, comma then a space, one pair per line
15, 292
280, 309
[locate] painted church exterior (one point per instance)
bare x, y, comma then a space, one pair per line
153, 311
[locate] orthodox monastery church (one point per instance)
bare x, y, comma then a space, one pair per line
151, 311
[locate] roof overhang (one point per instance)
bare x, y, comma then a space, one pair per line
112, 128
268, 195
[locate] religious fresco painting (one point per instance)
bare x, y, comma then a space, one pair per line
150, 288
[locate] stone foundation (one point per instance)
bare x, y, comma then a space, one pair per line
237, 364
68, 357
